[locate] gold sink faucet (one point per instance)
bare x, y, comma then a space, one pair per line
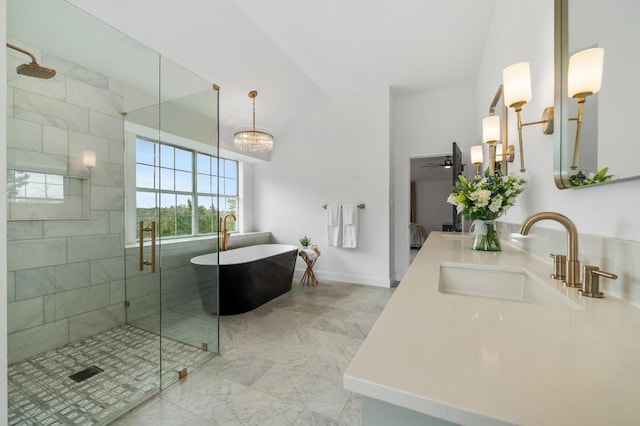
573, 264
224, 240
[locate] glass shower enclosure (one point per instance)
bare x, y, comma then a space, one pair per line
100, 315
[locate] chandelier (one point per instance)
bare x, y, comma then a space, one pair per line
252, 139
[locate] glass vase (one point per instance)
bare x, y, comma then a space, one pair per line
486, 237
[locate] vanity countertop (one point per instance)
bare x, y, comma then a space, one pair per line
483, 361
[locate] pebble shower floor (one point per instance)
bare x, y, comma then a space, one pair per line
41, 392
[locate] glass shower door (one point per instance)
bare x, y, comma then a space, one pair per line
163, 208
188, 132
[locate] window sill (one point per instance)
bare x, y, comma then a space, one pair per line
235, 237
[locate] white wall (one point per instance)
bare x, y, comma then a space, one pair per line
337, 153
426, 124
3, 222
527, 35
245, 194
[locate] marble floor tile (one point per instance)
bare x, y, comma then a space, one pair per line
311, 418
244, 369
280, 364
351, 412
161, 412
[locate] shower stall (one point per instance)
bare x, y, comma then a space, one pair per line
103, 309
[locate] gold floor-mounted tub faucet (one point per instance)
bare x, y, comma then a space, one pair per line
224, 237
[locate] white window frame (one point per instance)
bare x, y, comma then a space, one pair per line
134, 131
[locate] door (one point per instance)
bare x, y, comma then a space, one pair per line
165, 211
457, 169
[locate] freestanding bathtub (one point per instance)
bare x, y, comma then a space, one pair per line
249, 277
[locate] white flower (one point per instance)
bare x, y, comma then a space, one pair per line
452, 200
482, 197
496, 203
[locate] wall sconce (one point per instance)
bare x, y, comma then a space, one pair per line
509, 156
89, 159
585, 78
490, 136
516, 80
476, 157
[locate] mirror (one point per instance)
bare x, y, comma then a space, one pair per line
503, 154
606, 133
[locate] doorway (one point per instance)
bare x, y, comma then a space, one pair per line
431, 178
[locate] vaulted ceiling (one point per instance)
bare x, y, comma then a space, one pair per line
299, 52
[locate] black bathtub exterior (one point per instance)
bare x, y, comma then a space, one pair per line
247, 285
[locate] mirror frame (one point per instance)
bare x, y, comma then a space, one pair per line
561, 69
498, 99
562, 145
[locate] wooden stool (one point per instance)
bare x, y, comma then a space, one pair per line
309, 278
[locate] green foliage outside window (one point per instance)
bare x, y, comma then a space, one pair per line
175, 216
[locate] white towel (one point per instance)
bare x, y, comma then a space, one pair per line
334, 225
310, 253
349, 226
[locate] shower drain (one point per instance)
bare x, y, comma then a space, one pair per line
83, 375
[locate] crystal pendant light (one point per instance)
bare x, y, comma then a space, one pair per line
252, 139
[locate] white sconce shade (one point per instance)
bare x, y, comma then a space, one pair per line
476, 154
585, 72
516, 80
491, 129
499, 152
89, 158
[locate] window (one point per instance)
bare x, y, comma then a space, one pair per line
182, 188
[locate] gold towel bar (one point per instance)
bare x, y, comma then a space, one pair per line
360, 206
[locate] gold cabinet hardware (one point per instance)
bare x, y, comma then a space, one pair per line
591, 281
144, 261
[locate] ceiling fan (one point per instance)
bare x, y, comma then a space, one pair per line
447, 164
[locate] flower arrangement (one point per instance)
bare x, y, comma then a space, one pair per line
582, 179
485, 198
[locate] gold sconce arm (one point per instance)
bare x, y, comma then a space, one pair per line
547, 127
492, 157
576, 146
508, 156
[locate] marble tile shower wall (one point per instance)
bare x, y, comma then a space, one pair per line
66, 277
610, 254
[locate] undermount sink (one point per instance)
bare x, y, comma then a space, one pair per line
503, 283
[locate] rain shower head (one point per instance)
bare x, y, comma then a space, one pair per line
33, 69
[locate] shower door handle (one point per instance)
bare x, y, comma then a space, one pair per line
143, 261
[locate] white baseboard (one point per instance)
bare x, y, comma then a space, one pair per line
347, 278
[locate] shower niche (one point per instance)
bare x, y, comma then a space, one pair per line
46, 196
77, 298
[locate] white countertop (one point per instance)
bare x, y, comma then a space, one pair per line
478, 361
